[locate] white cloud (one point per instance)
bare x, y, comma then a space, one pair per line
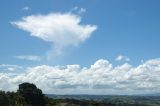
10, 70
82, 10
8, 65
29, 58
78, 10
99, 78
122, 58
26, 8
63, 30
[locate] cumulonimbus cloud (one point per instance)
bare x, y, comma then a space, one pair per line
99, 78
61, 29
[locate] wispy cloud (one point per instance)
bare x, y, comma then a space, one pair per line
26, 8
99, 78
63, 30
79, 10
29, 58
7, 68
122, 58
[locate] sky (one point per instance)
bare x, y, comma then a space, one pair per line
81, 47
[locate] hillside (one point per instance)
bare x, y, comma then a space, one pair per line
29, 95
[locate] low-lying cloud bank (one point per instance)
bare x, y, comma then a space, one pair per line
99, 78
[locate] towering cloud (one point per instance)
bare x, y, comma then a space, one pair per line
61, 29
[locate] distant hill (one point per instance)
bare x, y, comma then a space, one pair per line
29, 95
141, 100
79, 97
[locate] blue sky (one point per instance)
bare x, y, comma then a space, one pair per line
124, 27
120, 31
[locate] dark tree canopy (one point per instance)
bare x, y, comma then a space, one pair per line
31, 94
3, 99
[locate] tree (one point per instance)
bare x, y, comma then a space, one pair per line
3, 99
32, 95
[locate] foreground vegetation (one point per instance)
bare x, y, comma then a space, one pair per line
29, 95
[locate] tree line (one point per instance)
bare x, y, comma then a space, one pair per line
26, 95
29, 95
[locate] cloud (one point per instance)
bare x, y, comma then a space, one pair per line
63, 30
26, 8
28, 58
11, 69
78, 10
99, 78
122, 58
82, 10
